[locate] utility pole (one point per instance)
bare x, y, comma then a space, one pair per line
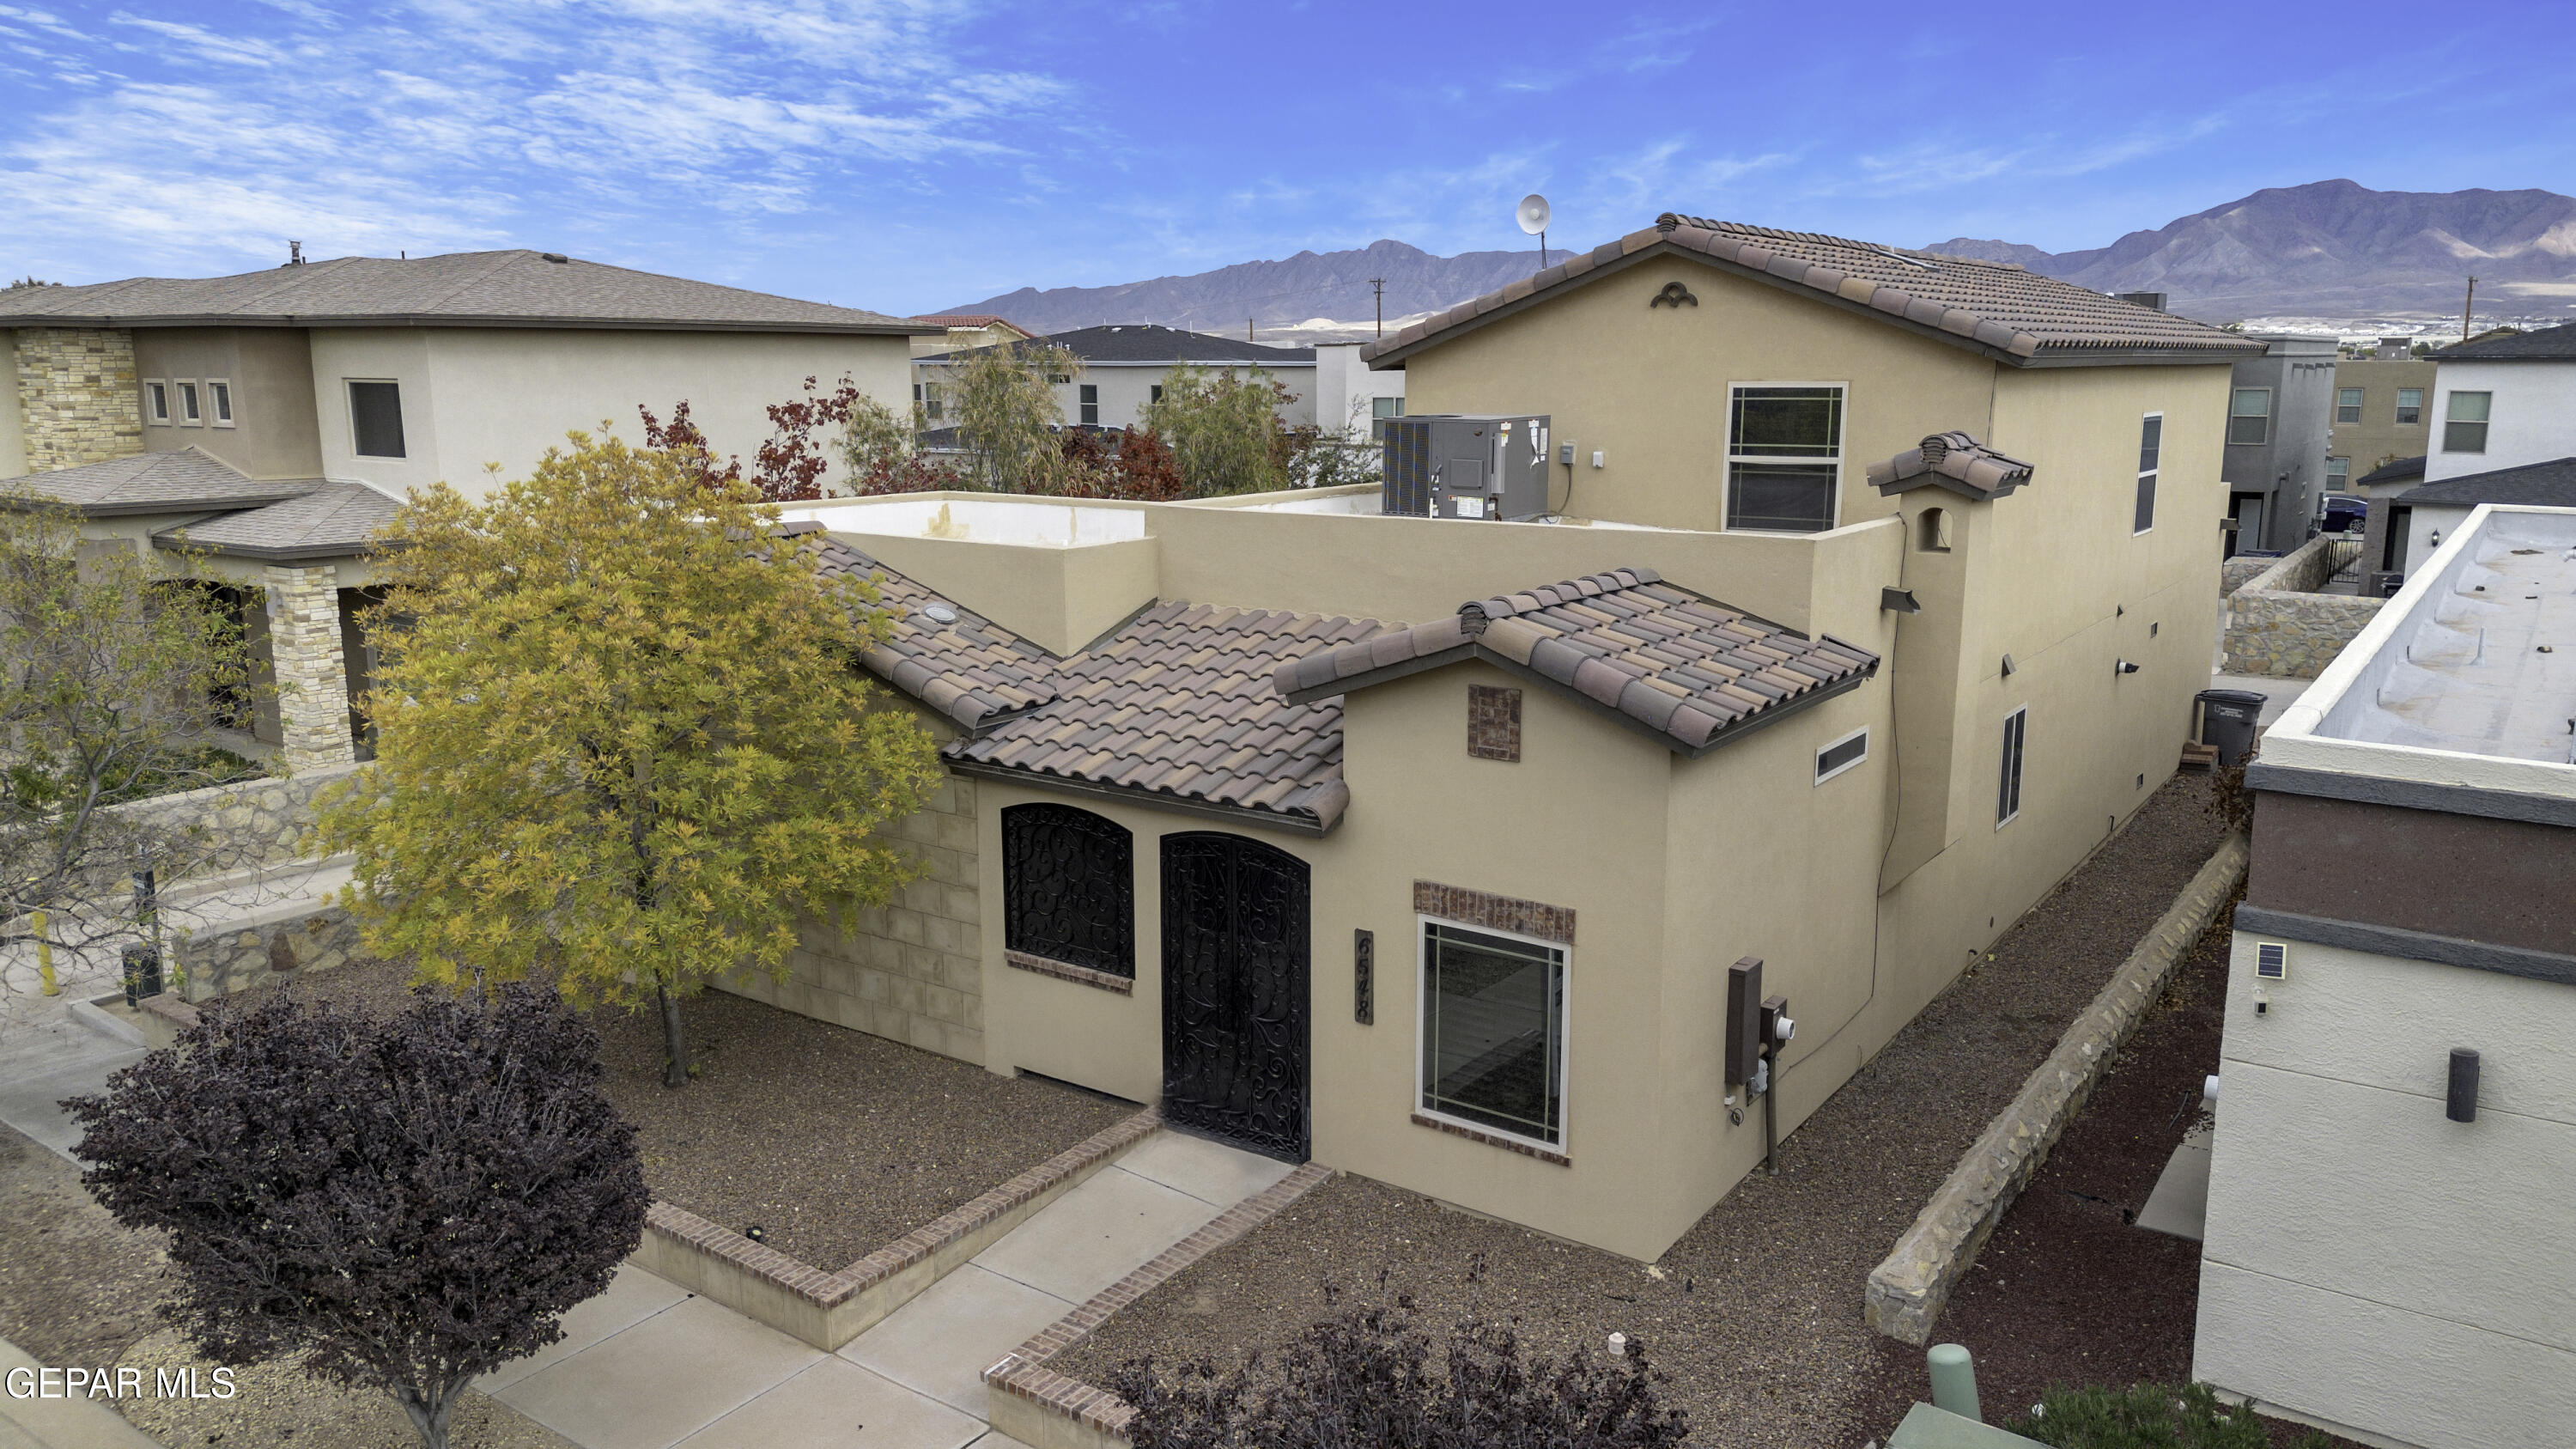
2465, 309
1378, 285
1247, 329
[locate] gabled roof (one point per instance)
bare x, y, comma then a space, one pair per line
1147, 343
335, 520
1691, 673
2544, 485
2394, 471
174, 482
972, 321
1955, 461
2549, 344
462, 289
2016, 317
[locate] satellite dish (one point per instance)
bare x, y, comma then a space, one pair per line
1532, 214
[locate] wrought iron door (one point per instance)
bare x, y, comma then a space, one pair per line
1234, 992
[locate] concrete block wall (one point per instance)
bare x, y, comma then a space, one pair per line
79, 400
913, 970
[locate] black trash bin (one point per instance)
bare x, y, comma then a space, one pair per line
2228, 718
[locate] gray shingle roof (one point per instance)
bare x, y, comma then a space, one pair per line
462, 289
2396, 471
2541, 485
1688, 671
333, 521
2549, 344
174, 482
1953, 460
2015, 316
1147, 342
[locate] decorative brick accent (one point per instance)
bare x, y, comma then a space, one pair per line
1067, 971
1494, 722
1022, 1373
79, 399
1492, 1139
312, 677
1498, 913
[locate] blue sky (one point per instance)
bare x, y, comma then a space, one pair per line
907, 155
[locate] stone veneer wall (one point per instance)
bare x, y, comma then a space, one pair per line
304, 646
255, 822
2277, 627
2237, 572
913, 970
262, 946
78, 397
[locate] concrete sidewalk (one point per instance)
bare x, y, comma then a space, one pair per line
30, 1422
647, 1365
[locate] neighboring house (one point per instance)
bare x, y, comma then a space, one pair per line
2383, 549
1124, 366
2382, 410
1352, 398
2422, 517
280, 415
2502, 401
1854, 644
2278, 415
965, 329
2390, 1250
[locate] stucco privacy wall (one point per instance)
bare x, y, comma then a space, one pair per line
2369, 1261
2279, 627
79, 400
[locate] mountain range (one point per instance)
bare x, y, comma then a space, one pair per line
2331, 249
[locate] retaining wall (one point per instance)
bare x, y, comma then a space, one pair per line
2279, 627
263, 945
250, 822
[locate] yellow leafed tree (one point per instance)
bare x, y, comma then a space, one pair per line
622, 737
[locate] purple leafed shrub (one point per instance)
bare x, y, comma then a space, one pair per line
405, 1203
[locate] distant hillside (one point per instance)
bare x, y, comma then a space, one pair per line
2334, 249
1307, 285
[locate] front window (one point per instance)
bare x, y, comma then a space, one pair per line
2347, 404
2464, 427
2151, 447
2410, 406
1091, 405
1783, 458
156, 403
1068, 888
375, 419
1381, 411
1493, 1031
2249, 418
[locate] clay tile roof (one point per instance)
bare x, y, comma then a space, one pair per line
964, 666
1955, 461
1996, 307
1688, 671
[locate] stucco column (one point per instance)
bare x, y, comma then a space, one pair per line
312, 677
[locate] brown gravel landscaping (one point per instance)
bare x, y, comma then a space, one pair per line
833, 1141
1756, 1312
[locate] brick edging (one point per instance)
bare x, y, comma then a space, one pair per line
1067, 971
828, 1290
1022, 1373
1492, 1139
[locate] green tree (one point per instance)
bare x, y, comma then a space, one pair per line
1223, 430
622, 737
1002, 400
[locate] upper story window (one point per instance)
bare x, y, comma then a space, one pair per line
375, 419
1784, 448
2410, 407
1381, 411
2464, 427
219, 402
1091, 405
156, 403
1154, 393
2151, 447
1069, 888
2347, 404
933, 406
2338, 473
2008, 793
1493, 1031
191, 405
2249, 417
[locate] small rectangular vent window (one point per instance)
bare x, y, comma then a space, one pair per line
1841, 755
2271, 960
2008, 793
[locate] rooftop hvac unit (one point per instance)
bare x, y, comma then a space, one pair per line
1466, 465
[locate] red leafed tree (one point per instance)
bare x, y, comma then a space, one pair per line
789, 467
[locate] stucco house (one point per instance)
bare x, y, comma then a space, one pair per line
2279, 418
2505, 433
2390, 1247
1124, 367
1424, 847
279, 417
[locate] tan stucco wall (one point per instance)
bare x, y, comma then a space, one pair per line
2379, 437
274, 434
1058, 598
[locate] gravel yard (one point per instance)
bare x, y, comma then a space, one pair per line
1755, 1313
833, 1141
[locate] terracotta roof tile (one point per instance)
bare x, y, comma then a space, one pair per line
1955, 461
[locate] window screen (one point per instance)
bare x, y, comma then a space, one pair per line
2249, 417
1783, 446
1091, 404
1841, 755
1493, 1031
2347, 404
1069, 887
2410, 406
2008, 794
375, 419
2464, 429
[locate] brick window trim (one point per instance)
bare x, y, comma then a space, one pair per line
1493, 722
1492, 1139
1067, 971
1535, 919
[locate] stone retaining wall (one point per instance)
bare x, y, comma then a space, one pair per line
1907, 1291
2280, 628
262, 946
258, 822
2236, 573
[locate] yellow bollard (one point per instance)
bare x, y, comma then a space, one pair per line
45, 957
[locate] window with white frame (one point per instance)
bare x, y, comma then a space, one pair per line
1843, 754
2151, 447
1155, 393
2464, 425
2347, 404
2410, 407
933, 406
2008, 794
219, 402
1091, 405
1382, 410
156, 402
1493, 1031
2338, 474
191, 409
2249, 417
375, 419
1784, 447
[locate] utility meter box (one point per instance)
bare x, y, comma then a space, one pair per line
1488, 466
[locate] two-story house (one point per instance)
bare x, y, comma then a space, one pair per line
1122, 367
2504, 432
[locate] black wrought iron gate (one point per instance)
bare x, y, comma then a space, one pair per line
1235, 961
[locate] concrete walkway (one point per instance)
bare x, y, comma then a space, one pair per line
647, 1365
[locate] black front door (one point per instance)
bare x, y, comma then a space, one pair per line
1234, 992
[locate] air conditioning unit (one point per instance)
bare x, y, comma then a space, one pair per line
1490, 466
